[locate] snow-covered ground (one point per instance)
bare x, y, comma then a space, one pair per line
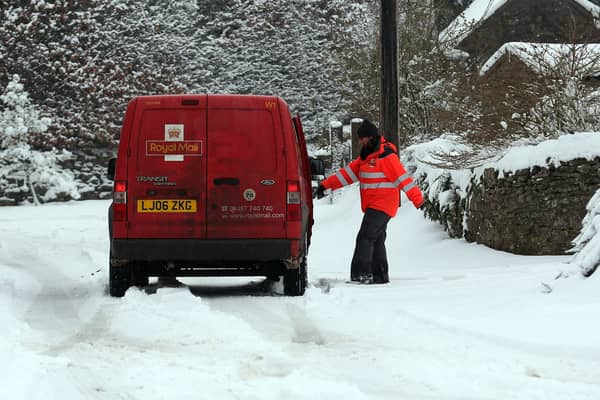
458, 321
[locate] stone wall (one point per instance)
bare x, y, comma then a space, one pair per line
531, 212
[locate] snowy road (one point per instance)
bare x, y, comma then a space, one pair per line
458, 321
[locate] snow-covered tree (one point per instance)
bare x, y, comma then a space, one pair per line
84, 60
33, 171
18, 117
358, 53
291, 49
587, 243
47, 44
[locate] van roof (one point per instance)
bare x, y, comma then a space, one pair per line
191, 95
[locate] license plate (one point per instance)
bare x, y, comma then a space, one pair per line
162, 206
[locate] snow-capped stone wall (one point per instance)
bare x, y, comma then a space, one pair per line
531, 211
529, 200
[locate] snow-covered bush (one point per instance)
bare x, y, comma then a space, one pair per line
445, 186
587, 243
23, 170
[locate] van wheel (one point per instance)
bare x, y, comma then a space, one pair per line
119, 280
294, 280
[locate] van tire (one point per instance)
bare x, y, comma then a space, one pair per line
119, 280
294, 280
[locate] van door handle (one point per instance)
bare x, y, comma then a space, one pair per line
226, 181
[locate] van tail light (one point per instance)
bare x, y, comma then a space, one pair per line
120, 201
294, 207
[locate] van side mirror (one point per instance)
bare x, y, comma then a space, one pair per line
110, 172
317, 168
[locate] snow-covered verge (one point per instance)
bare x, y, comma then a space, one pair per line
458, 321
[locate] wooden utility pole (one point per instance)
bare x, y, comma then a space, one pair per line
388, 110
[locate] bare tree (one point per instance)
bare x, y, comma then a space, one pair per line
430, 80
568, 89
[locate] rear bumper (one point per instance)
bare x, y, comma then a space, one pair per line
248, 250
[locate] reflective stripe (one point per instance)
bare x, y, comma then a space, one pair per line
409, 186
343, 180
380, 185
350, 173
404, 177
372, 175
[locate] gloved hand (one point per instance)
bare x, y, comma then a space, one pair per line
319, 192
421, 206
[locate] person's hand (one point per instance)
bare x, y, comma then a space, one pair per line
421, 206
319, 192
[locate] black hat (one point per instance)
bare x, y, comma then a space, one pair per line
367, 129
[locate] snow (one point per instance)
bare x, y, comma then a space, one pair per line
550, 152
592, 8
457, 321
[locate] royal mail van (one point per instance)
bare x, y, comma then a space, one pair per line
210, 185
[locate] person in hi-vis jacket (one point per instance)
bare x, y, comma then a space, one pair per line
381, 176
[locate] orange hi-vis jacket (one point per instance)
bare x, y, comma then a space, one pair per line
380, 174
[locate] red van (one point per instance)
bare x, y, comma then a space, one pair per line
210, 185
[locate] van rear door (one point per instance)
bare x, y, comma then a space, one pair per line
246, 177
167, 168
308, 207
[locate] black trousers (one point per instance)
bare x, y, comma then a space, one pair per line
370, 257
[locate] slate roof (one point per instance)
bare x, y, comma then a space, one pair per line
541, 57
480, 10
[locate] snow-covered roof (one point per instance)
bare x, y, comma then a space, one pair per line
541, 57
480, 10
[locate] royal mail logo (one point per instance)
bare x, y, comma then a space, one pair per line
174, 133
184, 148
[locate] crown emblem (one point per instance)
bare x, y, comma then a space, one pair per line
173, 133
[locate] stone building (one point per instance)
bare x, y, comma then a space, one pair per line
512, 80
505, 75
486, 25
